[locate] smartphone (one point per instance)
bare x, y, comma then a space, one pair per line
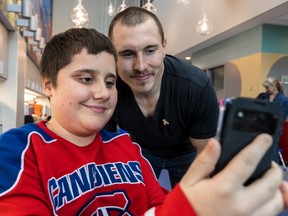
240, 121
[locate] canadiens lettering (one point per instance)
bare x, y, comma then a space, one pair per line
90, 176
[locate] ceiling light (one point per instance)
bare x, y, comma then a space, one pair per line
185, 2
122, 7
150, 7
204, 26
79, 15
111, 10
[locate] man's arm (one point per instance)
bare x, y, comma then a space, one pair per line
199, 144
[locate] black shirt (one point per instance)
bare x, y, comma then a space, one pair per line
187, 106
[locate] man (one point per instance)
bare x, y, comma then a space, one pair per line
167, 105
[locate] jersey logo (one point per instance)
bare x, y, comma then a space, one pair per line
89, 177
114, 203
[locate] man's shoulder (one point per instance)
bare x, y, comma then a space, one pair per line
178, 69
179, 64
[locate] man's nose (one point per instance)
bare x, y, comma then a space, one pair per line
140, 63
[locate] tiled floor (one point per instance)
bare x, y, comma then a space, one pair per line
164, 179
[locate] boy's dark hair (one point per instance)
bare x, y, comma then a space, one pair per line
62, 47
133, 16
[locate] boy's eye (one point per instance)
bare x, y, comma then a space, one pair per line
86, 80
110, 83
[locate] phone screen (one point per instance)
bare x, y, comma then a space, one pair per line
254, 121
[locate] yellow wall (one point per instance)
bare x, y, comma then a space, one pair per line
253, 71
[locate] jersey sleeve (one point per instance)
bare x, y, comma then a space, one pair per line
21, 192
175, 203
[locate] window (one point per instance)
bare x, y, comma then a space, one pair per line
216, 75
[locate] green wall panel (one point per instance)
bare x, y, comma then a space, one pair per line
275, 39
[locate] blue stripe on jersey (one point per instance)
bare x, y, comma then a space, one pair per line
13, 145
108, 136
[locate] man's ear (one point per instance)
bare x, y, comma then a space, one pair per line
165, 45
47, 86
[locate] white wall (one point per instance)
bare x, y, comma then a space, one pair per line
12, 89
3, 59
33, 78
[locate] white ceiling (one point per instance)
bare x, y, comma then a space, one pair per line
177, 19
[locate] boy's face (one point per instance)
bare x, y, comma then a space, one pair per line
86, 95
140, 55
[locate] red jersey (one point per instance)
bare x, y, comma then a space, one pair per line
44, 174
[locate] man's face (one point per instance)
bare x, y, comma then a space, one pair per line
140, 55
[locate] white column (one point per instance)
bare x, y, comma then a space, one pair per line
12, 89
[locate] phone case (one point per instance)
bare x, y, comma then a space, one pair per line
240, 121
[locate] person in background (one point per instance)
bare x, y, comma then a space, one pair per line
28, 119
69, 165
274, 93
167, 105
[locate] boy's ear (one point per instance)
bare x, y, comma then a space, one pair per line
47, 86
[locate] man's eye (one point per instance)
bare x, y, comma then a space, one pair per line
126, 55
86, 80
150, 51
